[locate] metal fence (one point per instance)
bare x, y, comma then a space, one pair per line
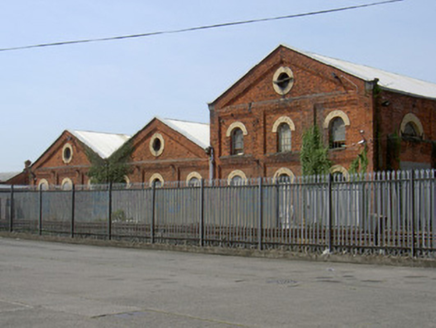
387, 212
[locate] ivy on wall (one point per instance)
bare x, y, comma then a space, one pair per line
360, 163
314, 155
112, 169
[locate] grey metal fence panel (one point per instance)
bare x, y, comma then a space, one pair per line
56, 210
5, 203
131, 213
177, 214
376, 212
91, 212
26, 210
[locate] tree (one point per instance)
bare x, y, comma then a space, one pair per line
112, 169
314, 155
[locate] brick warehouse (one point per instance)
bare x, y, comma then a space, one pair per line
256, 126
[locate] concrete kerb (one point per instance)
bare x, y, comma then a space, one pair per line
381, 259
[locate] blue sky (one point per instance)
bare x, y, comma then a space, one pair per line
118, 86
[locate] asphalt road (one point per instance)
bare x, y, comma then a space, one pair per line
45, 284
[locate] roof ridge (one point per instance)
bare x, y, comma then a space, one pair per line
180, 120
88, 131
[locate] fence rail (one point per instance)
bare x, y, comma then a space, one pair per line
389, 212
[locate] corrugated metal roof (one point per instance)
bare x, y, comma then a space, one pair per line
104, 144
387, 80
198, 133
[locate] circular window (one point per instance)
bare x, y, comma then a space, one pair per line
157, 144
283, 80
67, 153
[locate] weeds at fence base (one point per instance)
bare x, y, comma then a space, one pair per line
365, 256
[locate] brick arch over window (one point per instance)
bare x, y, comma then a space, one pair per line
234, 174
284, 171
414, 121
43, 184
334, 114
156, 177
283, 119
235, 125
341, 170
193, 175
67, 184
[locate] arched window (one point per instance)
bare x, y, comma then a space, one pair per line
337, 133
410, 130
193, 179
237, 139
237, 178
194, 182
157, 183
237, 181
284, 138
284, 179
411, 126
284, 175
43, 184
339, 173
67, 184
156, 180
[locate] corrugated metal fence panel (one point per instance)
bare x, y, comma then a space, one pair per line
177, 213
91, 212
378, 212
5, 200
26, 210
131, 213
231, 214
56, 209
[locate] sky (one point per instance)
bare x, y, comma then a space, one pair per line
119, 86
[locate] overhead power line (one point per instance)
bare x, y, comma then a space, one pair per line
191, 29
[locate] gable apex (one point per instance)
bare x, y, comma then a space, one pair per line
385, 80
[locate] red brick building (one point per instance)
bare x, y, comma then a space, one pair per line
256, 127
170, 150
67, 162
257, 124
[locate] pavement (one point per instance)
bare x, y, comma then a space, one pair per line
49, 284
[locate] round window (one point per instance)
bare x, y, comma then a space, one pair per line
157, 144
283, 80
67, 153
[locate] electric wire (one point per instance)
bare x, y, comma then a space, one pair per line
197, 28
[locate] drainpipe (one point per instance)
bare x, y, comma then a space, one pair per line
209, 151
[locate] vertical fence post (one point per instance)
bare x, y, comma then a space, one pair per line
412, 211
153, 211
40, 212
11, 208
109, 218
260, 223
73, 208
201, 212
330, 212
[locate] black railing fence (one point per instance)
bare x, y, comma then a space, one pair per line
386, 212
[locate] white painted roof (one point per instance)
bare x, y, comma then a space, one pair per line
387, 80
198, 133
104, 144
5, 176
